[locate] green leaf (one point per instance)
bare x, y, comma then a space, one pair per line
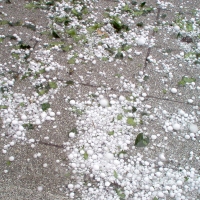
140, 24
45, 106
120, 194
3, 22
85, 155
186, 178
1, 39
3, 107
53, 85
22, 104
185, 80
111, 133
94, 27
163, 16
119, 55
189, 27
130, 121
55, 35
72, 32
15, 55
155, 198
74, 130
119, 117
26, 75
146, 78
28, 126
140, 141
70, 82
8, 162
115, 174
24, 46
134, 109
142, 4
30, 26
18, 23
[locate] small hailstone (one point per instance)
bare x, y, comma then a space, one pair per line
5, 171
40, 188
70, 186
96, 167
176, 126
162, 156
193, 128
153, 137
176, 28
173, 90
187, 137
107, 183
71, 135
169, 128
122, 98
160, 194
11, 158
72, 102
141, 41
190, 100
45, 165
104, 102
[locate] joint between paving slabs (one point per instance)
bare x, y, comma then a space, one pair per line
153, 34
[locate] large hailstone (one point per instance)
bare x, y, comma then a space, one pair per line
193, 128
141, 41
104, 102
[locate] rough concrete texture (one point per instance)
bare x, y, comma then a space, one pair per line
158, 67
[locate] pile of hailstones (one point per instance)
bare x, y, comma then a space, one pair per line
98, 152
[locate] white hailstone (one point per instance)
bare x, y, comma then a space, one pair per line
52, 114
153, 137
11, 158
31, 140
72, 102
109, 156
176, 126
71, 194
45, 165
96, 167
12, 143
107, 183
116, 162
122, 98
160, 194
71, 135
4, 151
187, 137
104, 102
176, 28
70, 156
5, 171
90, 152
70, 186
179, 182
162, 156
170, 128
14, 122
18, 133
140, 41
37, 121
190, 100
173, 90
192, 135
23, 117
193, 128
40, 188
43, 115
